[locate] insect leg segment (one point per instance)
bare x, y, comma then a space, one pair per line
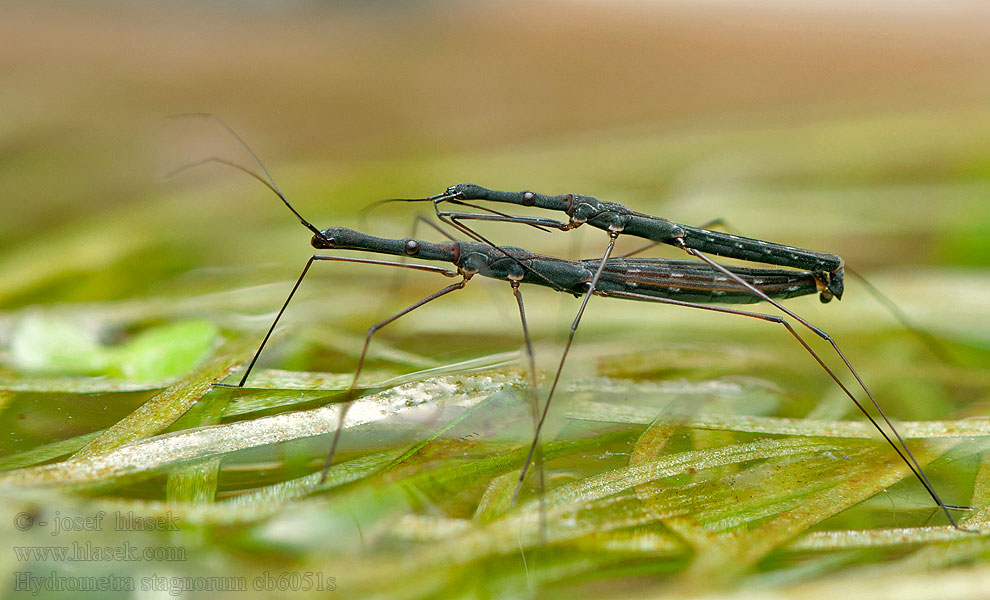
901, 449
590, 287
364, 352
530, 357
906, 455
532, 221
534, 400
305, 271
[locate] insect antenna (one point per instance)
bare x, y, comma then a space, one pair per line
267, 180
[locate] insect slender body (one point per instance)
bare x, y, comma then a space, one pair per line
684, 280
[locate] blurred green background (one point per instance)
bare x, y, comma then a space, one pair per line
859, 131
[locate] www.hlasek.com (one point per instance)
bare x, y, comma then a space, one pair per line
286, 581
90, 552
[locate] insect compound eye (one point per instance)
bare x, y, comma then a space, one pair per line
412, 247
528, 198
322, 241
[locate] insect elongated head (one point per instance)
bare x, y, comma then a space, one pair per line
468, 191
342, 238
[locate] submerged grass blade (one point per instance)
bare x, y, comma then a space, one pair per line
40, 454
161, 411
600, 411
146, 457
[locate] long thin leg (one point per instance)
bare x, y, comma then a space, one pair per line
309, 263
926, 338
930, 342
364, 351
530, 358
912, 463
534, 400
492, 214
906, 455
538, 222
567, 347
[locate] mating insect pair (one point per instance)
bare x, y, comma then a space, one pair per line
691, 284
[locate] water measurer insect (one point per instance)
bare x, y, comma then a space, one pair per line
704, 285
